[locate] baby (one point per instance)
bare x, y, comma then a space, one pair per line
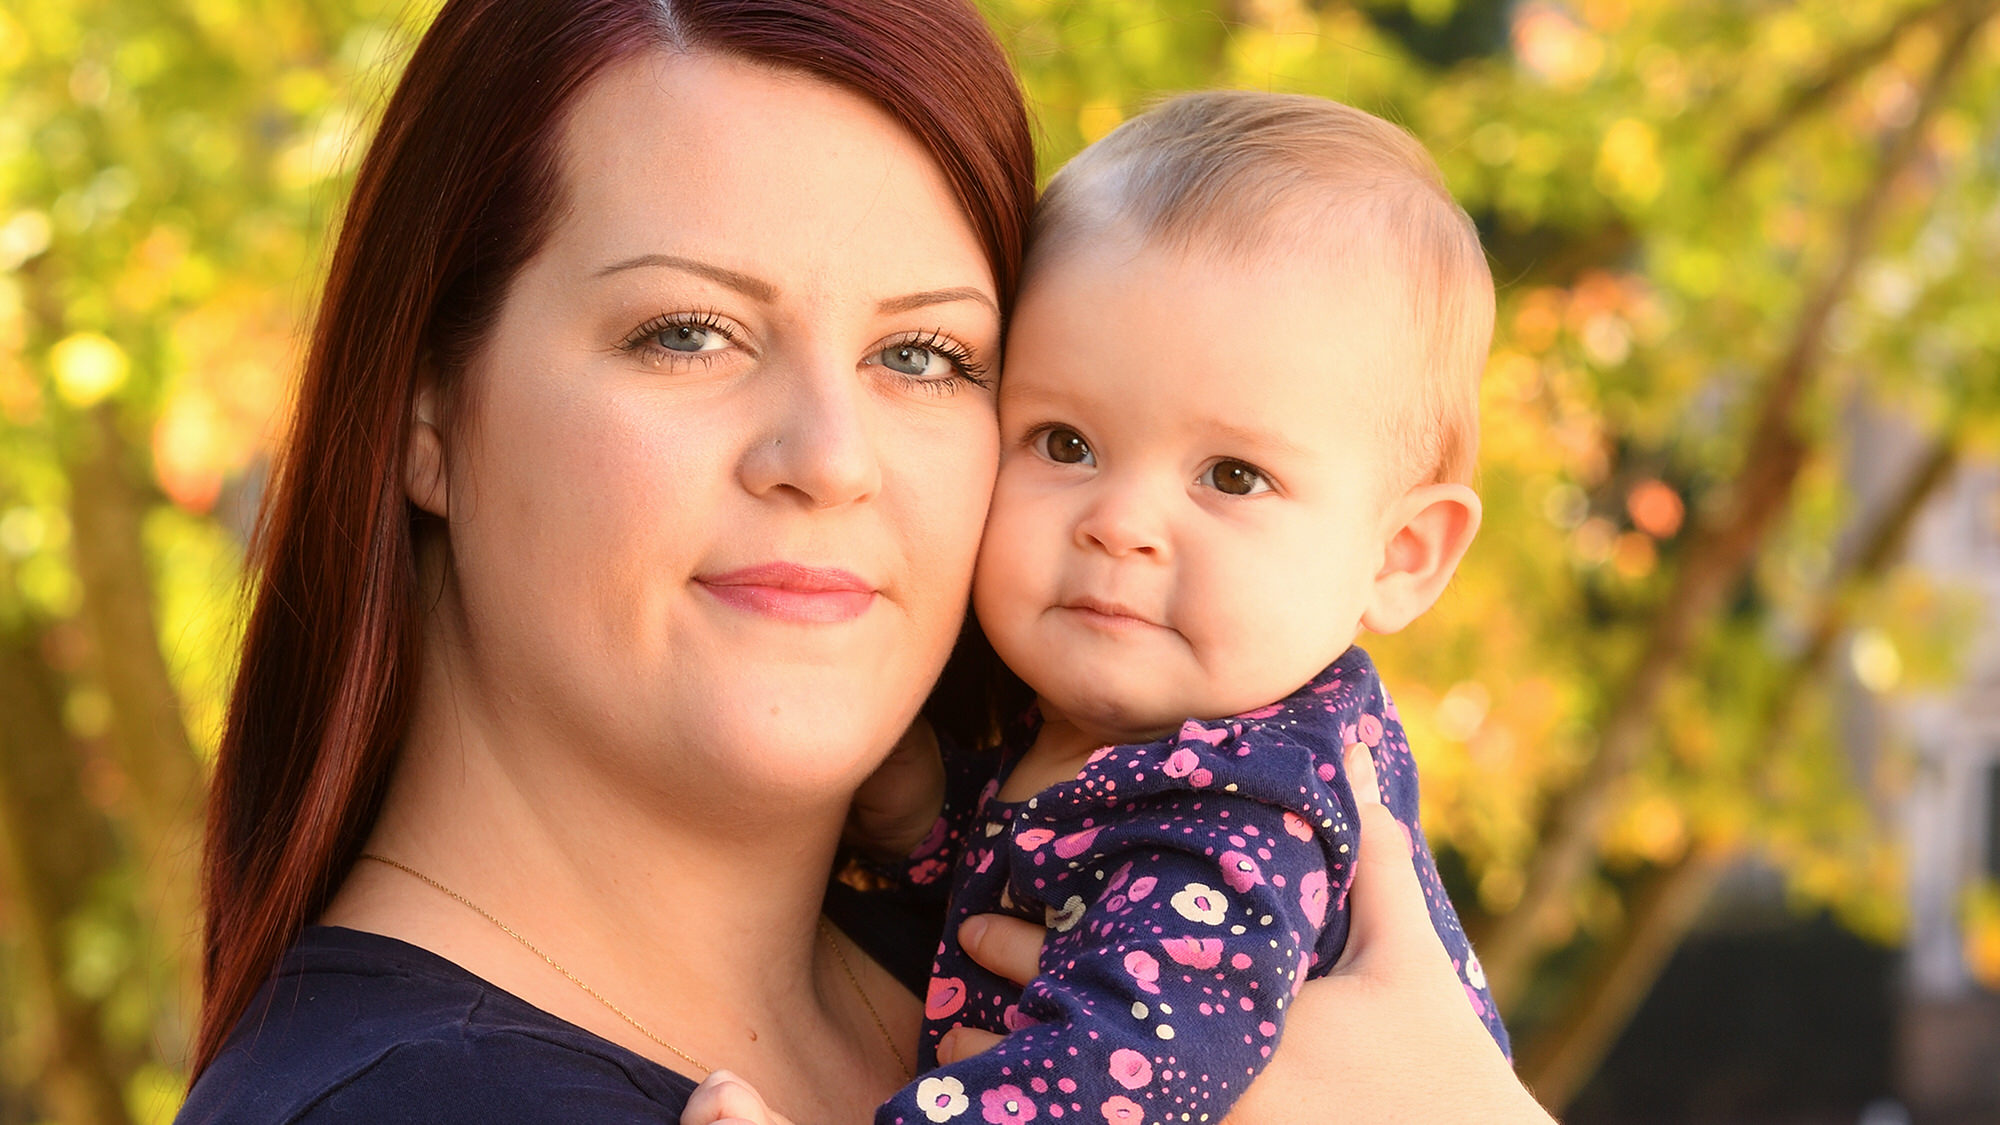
1237, 420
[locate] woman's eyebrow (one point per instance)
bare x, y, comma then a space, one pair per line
741, 282
935, 297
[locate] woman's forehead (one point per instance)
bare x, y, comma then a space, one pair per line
770, 173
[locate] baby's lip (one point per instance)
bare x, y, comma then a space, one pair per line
1103, 611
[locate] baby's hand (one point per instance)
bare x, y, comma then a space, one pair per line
899, 803
724, 1099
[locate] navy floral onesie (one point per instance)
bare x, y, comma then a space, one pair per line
1190, 885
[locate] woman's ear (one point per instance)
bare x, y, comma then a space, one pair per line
425, 480
1430, 528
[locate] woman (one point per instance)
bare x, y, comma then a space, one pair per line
628, 514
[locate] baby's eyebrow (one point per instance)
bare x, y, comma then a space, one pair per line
1269, 441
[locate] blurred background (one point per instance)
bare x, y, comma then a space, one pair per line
1709, 723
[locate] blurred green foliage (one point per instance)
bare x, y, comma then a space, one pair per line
1690, 207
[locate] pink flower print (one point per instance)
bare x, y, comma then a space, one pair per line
1312, 896
1076, 843
1240, 871
927, 872
941, 1098
1145, 970
1130, 1069
1118, 877
1012, 1019
1195, 953
935, 839
1263, 712
945, 996
1181, 762
1141, 887
1297, 828
1201, 778
1299, 977
1007, 1105
1034, 838
1478, 1001
1371, 730
1199, 902
1192, 731
1121, 1110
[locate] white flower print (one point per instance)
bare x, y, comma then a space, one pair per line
1199, 902
942, 1098
1473, 971
1065, 920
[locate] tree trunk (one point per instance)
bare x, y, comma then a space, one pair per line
162, 795
54, 846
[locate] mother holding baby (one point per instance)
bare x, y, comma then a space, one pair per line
626, 521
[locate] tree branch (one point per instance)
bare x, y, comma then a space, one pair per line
1669, 900
1842, 71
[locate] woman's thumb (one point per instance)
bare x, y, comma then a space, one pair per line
1387, 913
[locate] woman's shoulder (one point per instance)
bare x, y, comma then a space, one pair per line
356, 1026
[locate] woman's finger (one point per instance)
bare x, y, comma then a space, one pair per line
1386, 903
1010, 947
963, 1043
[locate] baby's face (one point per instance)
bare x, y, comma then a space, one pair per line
1191, 506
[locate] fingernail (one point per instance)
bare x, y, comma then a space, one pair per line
972, 930
1361, 774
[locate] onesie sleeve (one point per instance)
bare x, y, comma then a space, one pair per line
1179, 929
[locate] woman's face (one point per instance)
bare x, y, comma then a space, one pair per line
714, 503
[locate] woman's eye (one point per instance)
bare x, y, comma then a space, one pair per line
690, 338
1235, 478
916, 361
1066, 447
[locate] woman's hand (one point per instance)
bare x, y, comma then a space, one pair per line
1387, 1036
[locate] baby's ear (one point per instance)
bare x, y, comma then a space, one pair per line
1430, 528
425, 481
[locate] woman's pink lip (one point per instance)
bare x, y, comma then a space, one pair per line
793, 592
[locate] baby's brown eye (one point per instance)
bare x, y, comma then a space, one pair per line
1067, 447
1235, 478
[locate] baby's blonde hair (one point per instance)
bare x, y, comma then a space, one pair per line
1243, 173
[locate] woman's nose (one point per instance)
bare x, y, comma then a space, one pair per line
819, 445
1123, 518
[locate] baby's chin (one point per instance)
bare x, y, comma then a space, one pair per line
1108, 720
1104, 720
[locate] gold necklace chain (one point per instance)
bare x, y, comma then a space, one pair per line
825, 930
888, 1040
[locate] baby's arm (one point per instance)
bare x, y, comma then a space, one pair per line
901, 801
1185, 927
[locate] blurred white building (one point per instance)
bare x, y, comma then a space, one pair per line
1948, 1065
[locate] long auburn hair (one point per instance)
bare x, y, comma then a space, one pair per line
458, 190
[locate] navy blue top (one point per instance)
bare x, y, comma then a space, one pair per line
358, 1027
